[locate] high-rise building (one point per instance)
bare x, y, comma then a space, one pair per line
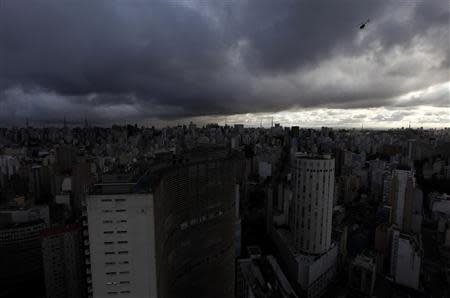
172, 237
406, 259
121, 250
313, 203
307, 252
401, 196
63, 261
21, 272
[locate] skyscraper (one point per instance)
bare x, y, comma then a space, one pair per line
308, 254
313, 203
174, 238
62, 255
402, 188
20, 250
121, 248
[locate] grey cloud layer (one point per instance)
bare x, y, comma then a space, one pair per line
114, 59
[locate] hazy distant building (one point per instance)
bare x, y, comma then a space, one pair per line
41, 184
264, 169
175, 240
417, 210
63, 261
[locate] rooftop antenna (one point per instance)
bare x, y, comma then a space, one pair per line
272, 122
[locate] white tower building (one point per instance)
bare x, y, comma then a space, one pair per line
122, 245
313, 203
402, 187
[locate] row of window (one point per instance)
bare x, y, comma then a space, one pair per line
121, 292
114, 263
201, 219
112, 232
110, 200
112, 242
109, 221
114, 283
319, 171
115, 273
111, 211
121, 252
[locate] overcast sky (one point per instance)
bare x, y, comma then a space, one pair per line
302, 62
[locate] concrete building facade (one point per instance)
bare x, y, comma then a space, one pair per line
122, 245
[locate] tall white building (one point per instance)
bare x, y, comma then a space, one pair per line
313, 203
308, 255
406, 259
122, 245
401, 196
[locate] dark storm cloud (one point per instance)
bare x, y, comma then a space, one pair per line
116, 59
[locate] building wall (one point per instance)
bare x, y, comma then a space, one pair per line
63, 262
122, 245
21, 255
195, 220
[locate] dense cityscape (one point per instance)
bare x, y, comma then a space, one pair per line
224, 149
224, 211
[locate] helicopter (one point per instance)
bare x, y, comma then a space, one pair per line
363, 25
